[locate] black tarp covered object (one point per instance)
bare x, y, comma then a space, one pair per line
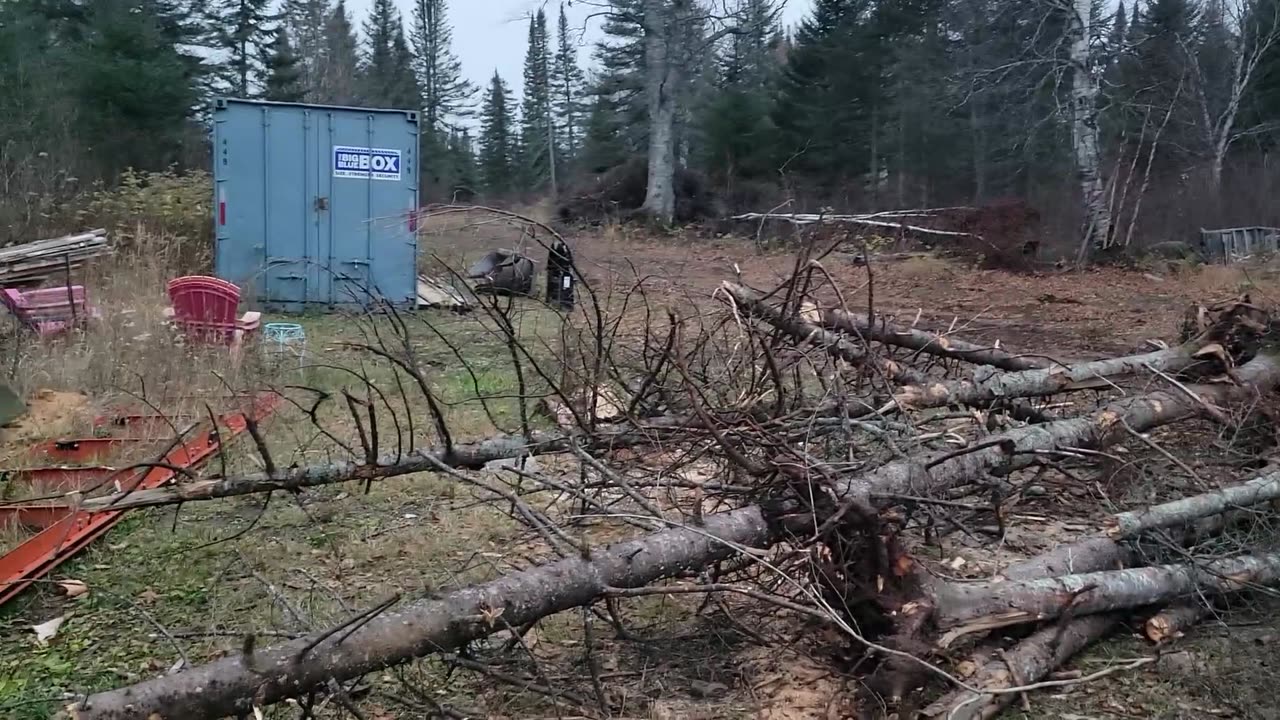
504, 271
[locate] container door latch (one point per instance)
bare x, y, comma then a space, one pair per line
322, 204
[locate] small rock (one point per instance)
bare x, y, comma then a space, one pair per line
1177, 664
530, 465
1035, 491
703, 689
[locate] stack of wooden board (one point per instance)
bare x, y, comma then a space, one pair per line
35, 263
436, 293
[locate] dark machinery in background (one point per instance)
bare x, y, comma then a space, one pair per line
507, 272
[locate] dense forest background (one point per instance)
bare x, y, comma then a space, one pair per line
1132, 122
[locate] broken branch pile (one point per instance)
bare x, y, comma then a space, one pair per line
841, 445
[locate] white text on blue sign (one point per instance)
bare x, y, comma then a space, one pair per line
366, 163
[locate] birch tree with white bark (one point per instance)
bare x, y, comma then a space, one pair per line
1081, 29
1249, 32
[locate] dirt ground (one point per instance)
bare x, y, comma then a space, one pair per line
209, 574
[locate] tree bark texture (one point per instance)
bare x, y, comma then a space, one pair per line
661, 87
1084, 126
471, 456
1045, 382
431, 625
883, 331
963, 609
1030, 662
753, 303
1264, 488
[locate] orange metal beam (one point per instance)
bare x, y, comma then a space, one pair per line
67, 535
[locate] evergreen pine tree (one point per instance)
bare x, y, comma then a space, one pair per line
402, 86
603, 143
823, 111
497, 149
243, 29
377, 71
445, 93
568, 88
462, 158
305, 21
536, 129
1118, 38
134, 87
339, 83
617, 123
283, 80
736, 128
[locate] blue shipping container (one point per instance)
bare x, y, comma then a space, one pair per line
316, 205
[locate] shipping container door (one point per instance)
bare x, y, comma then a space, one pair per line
289, 183
372, 185
393, 210
344, 231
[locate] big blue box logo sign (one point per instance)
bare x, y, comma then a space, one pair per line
366, 163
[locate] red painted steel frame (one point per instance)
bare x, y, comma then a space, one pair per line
67, 535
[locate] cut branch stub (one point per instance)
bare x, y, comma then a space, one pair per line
1170, 622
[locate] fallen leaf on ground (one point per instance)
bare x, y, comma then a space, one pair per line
48, 630
149, 596
73, 588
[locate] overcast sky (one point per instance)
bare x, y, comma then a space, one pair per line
492, 35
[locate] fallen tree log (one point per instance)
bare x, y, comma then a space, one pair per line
429, 626
467, 456
1029, 662
1032, 381
1022, 447
1170, 622
1265, 488
1047, 381
802, 220
882, 331
965, 609
804, 331
231, 686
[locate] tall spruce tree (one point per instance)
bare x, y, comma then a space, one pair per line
283, 79
244, 30
135, 88
567, 89
462, 158
617, 126
339, 82
497, 141
824, 109
445, 92
305, 21
736, 127
537, 148
386, 74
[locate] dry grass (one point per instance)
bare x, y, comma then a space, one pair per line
926, 269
